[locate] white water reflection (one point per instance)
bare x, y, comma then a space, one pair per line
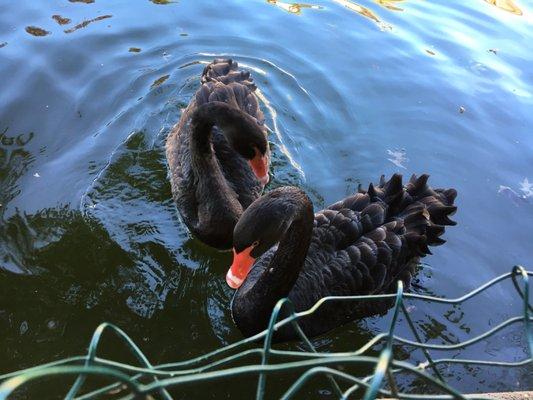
398, 157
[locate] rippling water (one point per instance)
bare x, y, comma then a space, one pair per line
351, 90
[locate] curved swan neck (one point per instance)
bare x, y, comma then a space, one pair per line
212, 183
289, 258
278, 278
205, 117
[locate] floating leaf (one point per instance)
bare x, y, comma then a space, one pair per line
506, 5
159, 81
36, 31
61, 20
83, 24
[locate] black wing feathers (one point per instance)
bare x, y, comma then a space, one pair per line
375, 235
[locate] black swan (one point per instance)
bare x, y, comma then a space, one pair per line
218, 153
361, 245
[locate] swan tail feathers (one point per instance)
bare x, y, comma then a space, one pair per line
227, 71
222, 80
421, 212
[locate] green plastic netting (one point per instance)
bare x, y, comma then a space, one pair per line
145, 380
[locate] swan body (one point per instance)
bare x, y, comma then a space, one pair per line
361, 245
218, 153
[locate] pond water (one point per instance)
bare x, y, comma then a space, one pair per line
90, 89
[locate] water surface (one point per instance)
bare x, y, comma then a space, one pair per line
89, 91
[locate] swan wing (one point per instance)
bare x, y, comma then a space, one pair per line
364, 243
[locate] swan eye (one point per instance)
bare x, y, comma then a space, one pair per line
255, 244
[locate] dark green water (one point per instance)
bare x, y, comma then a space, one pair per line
88, 232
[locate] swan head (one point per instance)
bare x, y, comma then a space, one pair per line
260, 227
247, 136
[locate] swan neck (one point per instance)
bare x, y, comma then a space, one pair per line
202, 123
289, 258
278, 278
212, 183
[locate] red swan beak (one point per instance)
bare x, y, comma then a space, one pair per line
259, 165
242, 263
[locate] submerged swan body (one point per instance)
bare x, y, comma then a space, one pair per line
218, 153
361, 245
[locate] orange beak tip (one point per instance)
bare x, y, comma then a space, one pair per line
242, 263
232, 281
264, 180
